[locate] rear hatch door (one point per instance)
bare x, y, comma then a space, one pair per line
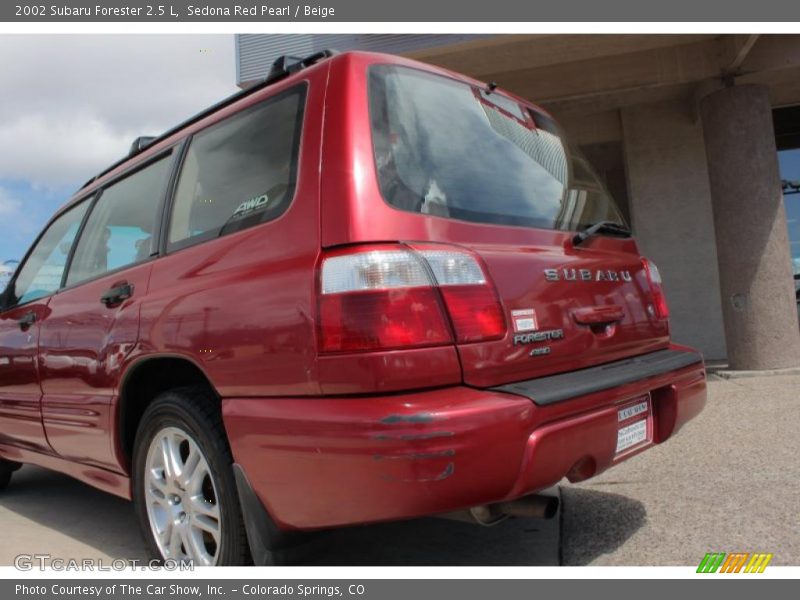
566, 309
470, 165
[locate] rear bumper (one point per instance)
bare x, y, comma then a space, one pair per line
324, 462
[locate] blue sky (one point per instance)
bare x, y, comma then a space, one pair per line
790, 169
24, 209
70, 105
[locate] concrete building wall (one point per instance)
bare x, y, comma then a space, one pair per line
755, 265
672, 216
255, 52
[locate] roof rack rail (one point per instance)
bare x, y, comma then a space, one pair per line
139, 144
282, 67
286, 65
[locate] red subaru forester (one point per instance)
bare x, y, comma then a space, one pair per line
365, 289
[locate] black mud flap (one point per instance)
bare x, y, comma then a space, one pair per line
269, 545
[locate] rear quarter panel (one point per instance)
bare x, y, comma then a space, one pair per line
242, 306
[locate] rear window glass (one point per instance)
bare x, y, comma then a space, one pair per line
448, 149
240, 172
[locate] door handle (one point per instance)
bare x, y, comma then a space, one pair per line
117, 294
28, 319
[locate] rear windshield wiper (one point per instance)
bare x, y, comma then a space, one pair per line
600, 227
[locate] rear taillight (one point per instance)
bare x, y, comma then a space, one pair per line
471, 300
660, 307
387, 297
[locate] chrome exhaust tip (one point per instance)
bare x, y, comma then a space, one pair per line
533, 507
537, 506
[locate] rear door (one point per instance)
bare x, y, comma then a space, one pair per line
27, 299
93, 323
235, 289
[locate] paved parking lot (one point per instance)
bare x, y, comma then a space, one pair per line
730, 481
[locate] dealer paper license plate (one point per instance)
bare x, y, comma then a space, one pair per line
635, 425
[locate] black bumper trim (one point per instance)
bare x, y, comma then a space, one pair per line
564, 386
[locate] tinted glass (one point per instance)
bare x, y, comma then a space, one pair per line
790, 176
41, 274
240, 172
119, 231
448, 149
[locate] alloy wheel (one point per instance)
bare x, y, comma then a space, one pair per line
181, 497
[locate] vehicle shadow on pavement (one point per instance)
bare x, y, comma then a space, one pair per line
440, 542
596, 523
49, 513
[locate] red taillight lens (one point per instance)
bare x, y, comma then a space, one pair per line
475, 312
382, 320
470, 298
385, 297
656, 288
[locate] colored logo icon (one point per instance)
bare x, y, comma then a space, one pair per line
738, 562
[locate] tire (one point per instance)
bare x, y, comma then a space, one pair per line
179, 514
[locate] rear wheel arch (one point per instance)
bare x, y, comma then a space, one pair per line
142, 383
146, 387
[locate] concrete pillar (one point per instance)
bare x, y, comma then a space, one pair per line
665, 160
758, 300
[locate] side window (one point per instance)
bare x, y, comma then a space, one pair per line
120, 228
41, 274
240, 172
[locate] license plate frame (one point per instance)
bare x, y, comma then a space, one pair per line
634, 426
